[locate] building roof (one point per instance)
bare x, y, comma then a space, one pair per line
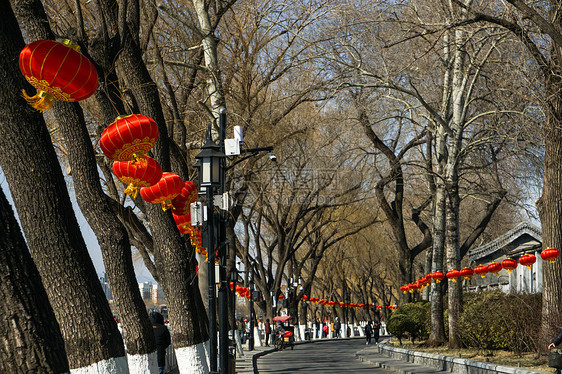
523, 237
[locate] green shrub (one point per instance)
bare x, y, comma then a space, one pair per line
399, 324
411, 318
419, 312
494, 320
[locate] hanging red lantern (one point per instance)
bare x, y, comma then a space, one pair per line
495, 268
58, 71
466, 273
304, 298
164, 191
139, 174
527, 260
129, 137
437, 276
481, 270
453, 275
188, 195
404, 288
509, 264
550, 254
183, 222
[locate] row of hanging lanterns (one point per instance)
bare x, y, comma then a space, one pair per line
509, 264
60, 72
341, 304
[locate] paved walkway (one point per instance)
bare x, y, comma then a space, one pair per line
334, 355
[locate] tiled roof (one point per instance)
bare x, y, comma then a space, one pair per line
524, 228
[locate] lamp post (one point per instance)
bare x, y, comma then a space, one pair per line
251, 284
347, 301
209, 178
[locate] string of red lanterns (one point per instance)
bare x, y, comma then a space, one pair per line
548, 254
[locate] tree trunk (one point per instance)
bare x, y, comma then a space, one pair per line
437, 336
111, 234
32, 341
173, 257
453, 262
47, 217
550, 209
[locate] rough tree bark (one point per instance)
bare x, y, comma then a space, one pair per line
111, 234
32, 341
53, 235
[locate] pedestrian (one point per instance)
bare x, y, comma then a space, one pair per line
557, 340
368, 332
318, 330
325, 330
376, 331
163, 339
337, 328
241, 327
267, 330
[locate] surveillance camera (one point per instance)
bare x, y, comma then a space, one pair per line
272, 157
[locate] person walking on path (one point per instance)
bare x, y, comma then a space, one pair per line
376, 331
337, 328
163, 339
368, 332
267, 330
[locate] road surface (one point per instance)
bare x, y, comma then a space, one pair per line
335, 356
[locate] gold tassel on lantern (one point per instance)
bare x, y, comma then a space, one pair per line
41, 101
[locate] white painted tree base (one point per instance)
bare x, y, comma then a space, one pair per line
143, 363
192, 359
116, 365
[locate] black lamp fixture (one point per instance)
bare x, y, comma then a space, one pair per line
209, 159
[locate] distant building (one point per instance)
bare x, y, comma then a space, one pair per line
145, 289
157, 294
522, 239
151, 292
105, 286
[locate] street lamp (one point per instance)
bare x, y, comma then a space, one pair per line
209, 177
347, 301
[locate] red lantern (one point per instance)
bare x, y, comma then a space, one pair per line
58, 71
342, 304
437, 276
281, 297
509, 264
527, 260
550, 254
495, 268
129, 137
164, 191
183, 221
453, 275
481, 270
188, 195
466, 273
304, 297
404, 288
138, 174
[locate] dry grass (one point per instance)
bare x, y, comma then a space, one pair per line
528, 361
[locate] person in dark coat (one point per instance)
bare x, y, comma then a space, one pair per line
267, 330
556, 340
376, 331
368, 332
163, 339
